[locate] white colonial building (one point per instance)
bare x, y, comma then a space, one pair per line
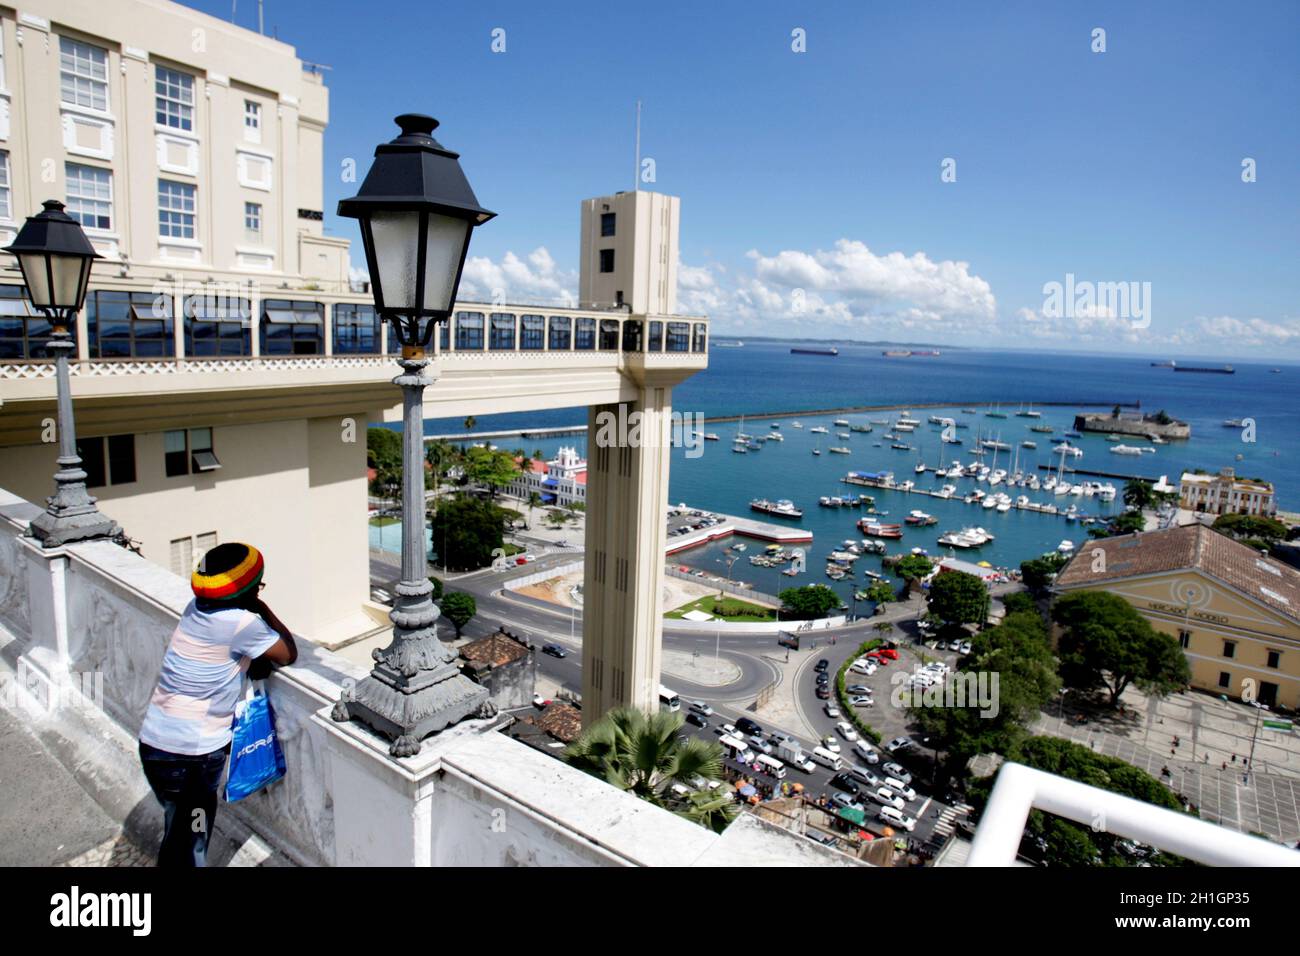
1226, 494
561, 481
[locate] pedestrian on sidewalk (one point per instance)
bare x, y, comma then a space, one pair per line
227, 631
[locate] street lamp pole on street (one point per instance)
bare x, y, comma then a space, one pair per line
55, 258
416, 212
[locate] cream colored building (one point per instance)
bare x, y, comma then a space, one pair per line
226, 372
1226, 494
1235, 613
629, 252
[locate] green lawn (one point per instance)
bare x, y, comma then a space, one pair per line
729, 609
384, 522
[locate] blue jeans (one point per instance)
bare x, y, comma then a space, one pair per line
186, 786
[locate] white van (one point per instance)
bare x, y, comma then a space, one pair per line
771, 765
826, 758
736, 748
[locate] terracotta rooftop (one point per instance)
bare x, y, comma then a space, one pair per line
495, 650
561, 720
1193, 546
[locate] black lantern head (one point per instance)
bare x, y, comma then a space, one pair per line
55, 257
416, 211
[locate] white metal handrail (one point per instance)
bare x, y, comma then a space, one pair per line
1020, 789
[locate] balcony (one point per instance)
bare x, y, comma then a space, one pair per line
486, 360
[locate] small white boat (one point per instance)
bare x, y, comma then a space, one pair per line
819, 430
796, 424
841, 451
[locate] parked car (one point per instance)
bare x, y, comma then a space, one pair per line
866, 752
823, 678
900, 744
863, 666
887, 798
842, 781
823, 692
846, 800
832, 711
696, 720
863, 776
897, 771
862, 700
758, 743
803, 763
894, 817
822, 665
900, 788
846, 731
555, 650
965, 647
886, 652
831, 744
748, 726
730, 730
858, 689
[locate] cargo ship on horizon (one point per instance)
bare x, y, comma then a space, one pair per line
814, 351
910, 353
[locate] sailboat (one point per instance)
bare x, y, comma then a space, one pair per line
818, 449
996, 413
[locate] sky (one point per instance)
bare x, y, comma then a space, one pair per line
919, 172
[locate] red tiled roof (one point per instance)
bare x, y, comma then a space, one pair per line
1190, 547
495, 650
561, 720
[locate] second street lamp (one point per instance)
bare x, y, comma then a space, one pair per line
55, 258
416, 212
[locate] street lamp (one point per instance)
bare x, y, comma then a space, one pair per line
55, 258
416, 212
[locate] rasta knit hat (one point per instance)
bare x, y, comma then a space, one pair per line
227, 572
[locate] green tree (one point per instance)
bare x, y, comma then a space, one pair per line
1038, 573
807, 603
1127, 522
384, 454
459, 608
1019, 652
1018, 602
1105, 643
913, 567
959, 598
467, 532
883, 629
643, 755
1065, 843
1139, 494
534, 499
882, 592
491, 468
436, 596
1246, 527
470, 422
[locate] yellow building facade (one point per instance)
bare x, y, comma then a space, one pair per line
1235, 612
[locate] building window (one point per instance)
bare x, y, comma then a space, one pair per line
217, 325
1225, 679
609, 335
252, 121
656, 340
90, 195
83, 75
182, 557
292, 327
606, 260
606, 224
175, 209
679, 337
173, 98
532, 333
1184, 639
1229, 648
356, 329
107, 461
701, 337
1275, 659
584, 337
129, 325
253, 219
6, 208
632, 335
501, 335
561, 334
469, 331
188, 452
23, 333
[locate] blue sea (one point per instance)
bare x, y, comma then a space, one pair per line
764, 378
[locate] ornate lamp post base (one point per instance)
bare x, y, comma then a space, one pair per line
59, 526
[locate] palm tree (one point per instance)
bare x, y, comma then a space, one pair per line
470, 422
884, 629
641, 754
534, 499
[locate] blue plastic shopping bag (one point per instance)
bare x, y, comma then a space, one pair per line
256, 759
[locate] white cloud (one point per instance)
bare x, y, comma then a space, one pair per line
1253, 332
535, 279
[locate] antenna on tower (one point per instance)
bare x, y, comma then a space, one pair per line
636, 173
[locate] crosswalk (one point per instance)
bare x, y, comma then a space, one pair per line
948, 819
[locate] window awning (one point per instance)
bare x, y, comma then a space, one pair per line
146, 314
854, 815
206, 461
293, 317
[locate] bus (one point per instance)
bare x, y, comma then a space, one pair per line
668, 700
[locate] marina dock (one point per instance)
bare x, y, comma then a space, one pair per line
1049, 508
1100, 474
734, 524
